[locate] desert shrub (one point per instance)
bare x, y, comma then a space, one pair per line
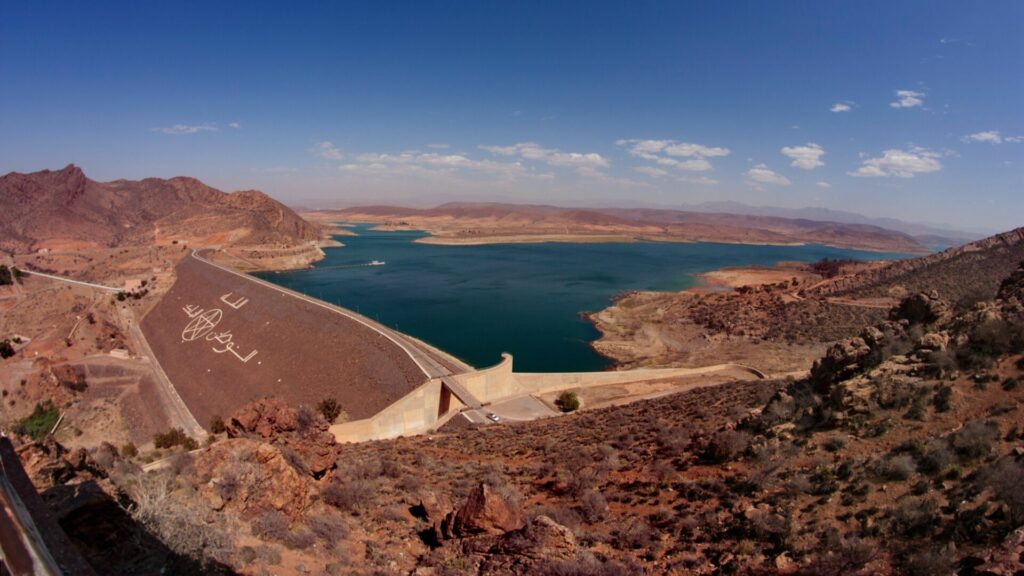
305, 419
937, 459
568, 402
634, 535
300, 538
975, 439
5, 275
176, 522
350, 496
1005, 478
329, 408
588, 566
942, 397
39, 423
329, 527
217, 425
227, 485
726, 445
129, 450
898, 468
929, 563
914, 516
1010, 384
835, 443
839, 556
988, 341
593, 506
941, 363
270, 525
174, 437
6, 349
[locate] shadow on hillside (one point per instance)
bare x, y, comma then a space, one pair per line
112, 541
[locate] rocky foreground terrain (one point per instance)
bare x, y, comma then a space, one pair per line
902, 452
469, 223
781, 325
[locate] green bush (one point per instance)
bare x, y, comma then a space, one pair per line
129, 450
6, 349
217, 425
329, 408
38, 424
568, 402
5, 275
175, 437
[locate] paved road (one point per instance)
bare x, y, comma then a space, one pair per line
70, 281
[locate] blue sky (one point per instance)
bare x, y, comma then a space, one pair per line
904, 109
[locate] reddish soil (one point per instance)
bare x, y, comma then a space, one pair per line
303, 353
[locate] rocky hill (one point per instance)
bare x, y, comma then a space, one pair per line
971, 271
901, 453
64, 209
462, 223
782, 325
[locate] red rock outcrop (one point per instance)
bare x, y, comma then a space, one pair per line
484, 512
303, 431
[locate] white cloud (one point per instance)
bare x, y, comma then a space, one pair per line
438, 146
992, 137
822, 184
900, 163
686, 149
187, 128
432, 163
842, 106
585, 163
327, 149
762, 174
807, 157
234, 125
908, 99
702, 180
651, 171
668, 152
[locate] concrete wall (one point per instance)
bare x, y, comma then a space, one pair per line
416, 412
491, 383
431, 404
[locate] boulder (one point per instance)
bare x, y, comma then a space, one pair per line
484, 512
933, 342
841, 361
540, 538
266, 418
921, 308
249, 477
306, 433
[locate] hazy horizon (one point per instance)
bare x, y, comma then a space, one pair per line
907, 111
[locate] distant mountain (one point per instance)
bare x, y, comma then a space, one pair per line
65, 209
465, 222
928, 234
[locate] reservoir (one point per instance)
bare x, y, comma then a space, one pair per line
476, 302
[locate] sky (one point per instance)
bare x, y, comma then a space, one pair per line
888, 108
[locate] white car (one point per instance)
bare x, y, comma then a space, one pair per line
493, 417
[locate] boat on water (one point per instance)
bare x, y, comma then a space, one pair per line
376, 263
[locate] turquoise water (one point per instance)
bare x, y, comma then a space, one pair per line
478, 301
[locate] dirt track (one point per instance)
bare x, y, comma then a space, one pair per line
225, 340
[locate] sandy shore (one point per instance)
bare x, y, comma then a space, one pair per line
523, 239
